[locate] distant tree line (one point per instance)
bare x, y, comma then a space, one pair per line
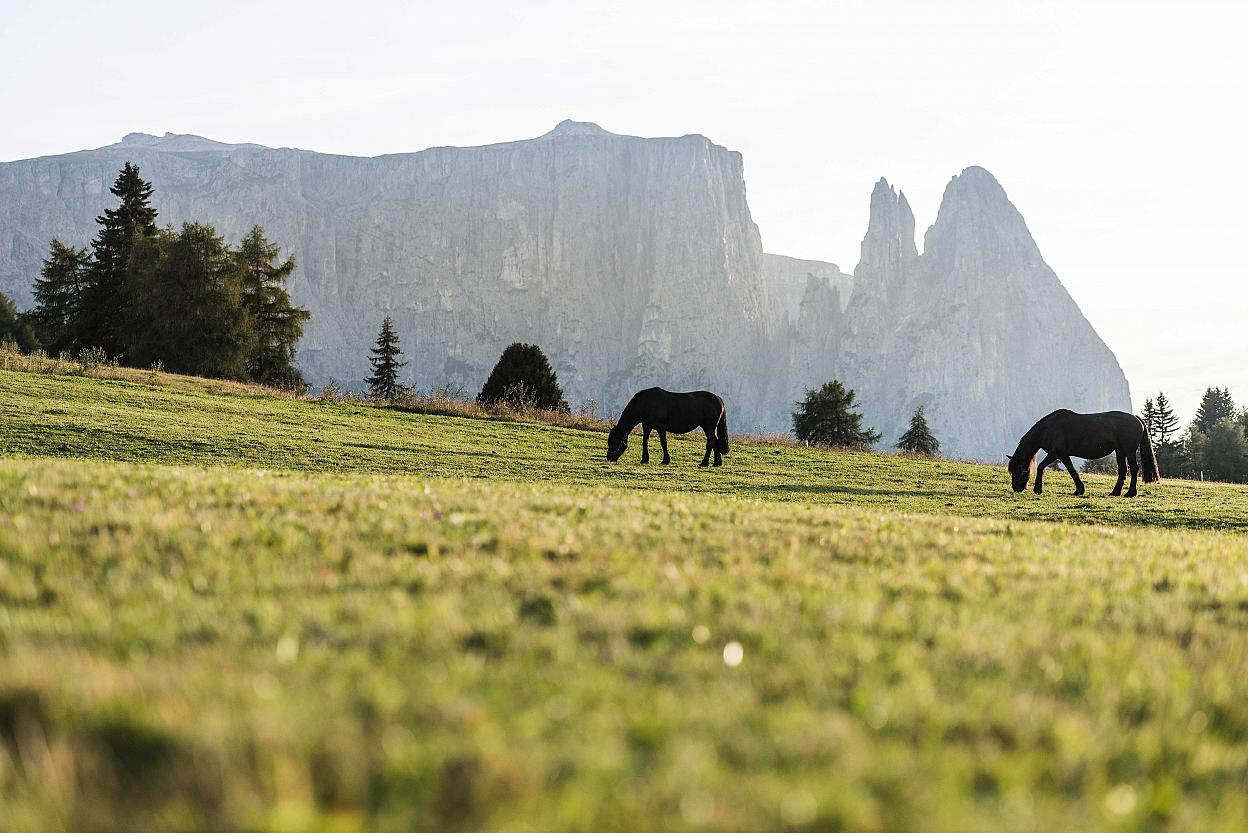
182, 299
1215, 444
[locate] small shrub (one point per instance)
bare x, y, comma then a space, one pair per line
92, 359
332, 392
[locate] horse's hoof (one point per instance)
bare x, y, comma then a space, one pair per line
703, 465
1130, 494
717, 464
667, 460
1116, 494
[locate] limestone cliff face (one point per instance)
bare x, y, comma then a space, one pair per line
978, 328
788, 277
630, 261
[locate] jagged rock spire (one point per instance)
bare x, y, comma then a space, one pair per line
888, 254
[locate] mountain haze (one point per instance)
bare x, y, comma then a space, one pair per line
631, 261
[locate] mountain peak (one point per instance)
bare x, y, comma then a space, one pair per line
175, 142
568, 127
975, 181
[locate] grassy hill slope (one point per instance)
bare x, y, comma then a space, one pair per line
249, 613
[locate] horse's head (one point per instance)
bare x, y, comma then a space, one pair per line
617, 443
1020, 471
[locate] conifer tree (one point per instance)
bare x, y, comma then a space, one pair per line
277, 324
14, 328
101, 317
826, 417
1221, 453
1215, 406
918, 438
1167, 423
58, 297
523, 377
187, 308
384, 383
1149, 417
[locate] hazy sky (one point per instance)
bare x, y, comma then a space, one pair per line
1119, 129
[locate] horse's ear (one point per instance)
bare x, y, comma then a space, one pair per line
1009, 456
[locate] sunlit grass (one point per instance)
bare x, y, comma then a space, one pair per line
246, 613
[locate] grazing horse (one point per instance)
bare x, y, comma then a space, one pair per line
660, 410
1064, 434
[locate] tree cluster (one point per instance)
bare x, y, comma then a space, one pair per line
183, 298
1214, 446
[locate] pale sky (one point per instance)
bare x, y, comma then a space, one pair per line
1119, 129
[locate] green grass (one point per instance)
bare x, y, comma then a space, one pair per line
246, 613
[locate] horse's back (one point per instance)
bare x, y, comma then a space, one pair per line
678, 412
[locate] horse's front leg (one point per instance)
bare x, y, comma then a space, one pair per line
645, 444
663, 442
710, 442
1049, 459
1122, 473
1135, 473
1074, 475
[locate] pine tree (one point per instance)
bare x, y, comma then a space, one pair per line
1149, 417
825, 417
1215, 406
100, 322
918, 438
277, 324
1167, 422
384, 383
186, 306
58, 297
523, 377
1221, 453
14, 328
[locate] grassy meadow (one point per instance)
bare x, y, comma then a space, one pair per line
222, 610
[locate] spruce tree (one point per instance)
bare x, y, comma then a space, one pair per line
100, 321
1221, 453
1149, 417
826, 417
1167, 422
14, 328
58, 298
187, 308
523, 377
1215, 406
918, 438
384, 383
277, 324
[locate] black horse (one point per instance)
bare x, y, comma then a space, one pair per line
1064, 434
660, 410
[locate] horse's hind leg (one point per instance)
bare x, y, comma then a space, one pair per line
1122, 473
1074, 475
645, 444
710, 442
1049, 459
1135, 472
663, 442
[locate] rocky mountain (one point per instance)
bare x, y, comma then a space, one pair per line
787, 278
631, 261
978, 328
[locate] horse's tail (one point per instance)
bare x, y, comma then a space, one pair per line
721, 432
1149, 459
